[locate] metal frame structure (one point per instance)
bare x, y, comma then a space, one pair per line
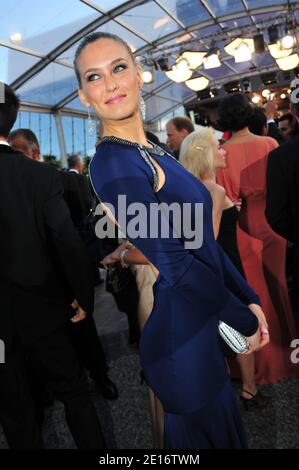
149, 47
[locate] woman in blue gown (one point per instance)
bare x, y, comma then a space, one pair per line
197, 286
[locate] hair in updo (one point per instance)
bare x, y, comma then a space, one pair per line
235, 112
90, 38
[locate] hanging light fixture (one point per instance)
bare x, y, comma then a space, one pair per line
277, 51
197, 84
194, 58
180, 72
266, 93
233, 47
288, 41
256, 99
147, 77
288, 63
242, 53
211, 60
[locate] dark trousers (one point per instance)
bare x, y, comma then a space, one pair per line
88, 347
56, 357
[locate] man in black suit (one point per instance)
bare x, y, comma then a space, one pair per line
282, 207
77, 190
80, 199
25, 141
273, 130
44, 269
77, 194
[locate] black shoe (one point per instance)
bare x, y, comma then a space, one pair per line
257, 401
107, 388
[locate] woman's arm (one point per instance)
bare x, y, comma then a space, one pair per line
218, 198
191, 277
132, 256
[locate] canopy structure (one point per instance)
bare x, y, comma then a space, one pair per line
38, 41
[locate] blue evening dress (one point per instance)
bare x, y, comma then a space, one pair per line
180, 351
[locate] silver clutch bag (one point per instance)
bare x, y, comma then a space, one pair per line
235, 340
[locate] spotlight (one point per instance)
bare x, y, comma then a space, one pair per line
232, 87
288, 41
266, 93
163, 63
269, 78
259, 43
256, 99
147, 76
273, 34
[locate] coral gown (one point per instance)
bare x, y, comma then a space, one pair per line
262, 253
180, 350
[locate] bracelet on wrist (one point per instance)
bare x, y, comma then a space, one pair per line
122, 258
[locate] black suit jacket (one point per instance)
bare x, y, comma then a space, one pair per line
274, 132
43, 264
282, 207
77, 194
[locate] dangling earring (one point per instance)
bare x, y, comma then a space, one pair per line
90, 124
142, 107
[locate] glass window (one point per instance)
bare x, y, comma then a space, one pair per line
77, 105
150, 21
159, 78
187, 11
42, 26
219, 72
176, 91
76, 136
263, 3
108, 5
239, 67
263, 60
109, 27
225, 7
44, 127
50, 86
14, 63
157, 106
235, 24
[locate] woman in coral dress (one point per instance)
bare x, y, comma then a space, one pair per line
262, 251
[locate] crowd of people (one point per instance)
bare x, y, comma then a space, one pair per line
174, 297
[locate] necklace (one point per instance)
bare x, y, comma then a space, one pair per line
155, 149
145, 153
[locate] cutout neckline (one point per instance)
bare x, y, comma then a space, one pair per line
155, 149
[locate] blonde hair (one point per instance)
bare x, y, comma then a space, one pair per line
197, 154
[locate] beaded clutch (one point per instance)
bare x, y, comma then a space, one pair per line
235, 340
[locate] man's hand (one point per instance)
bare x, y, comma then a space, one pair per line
270, 109
80, 313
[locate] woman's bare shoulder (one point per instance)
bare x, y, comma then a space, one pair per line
218, 192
